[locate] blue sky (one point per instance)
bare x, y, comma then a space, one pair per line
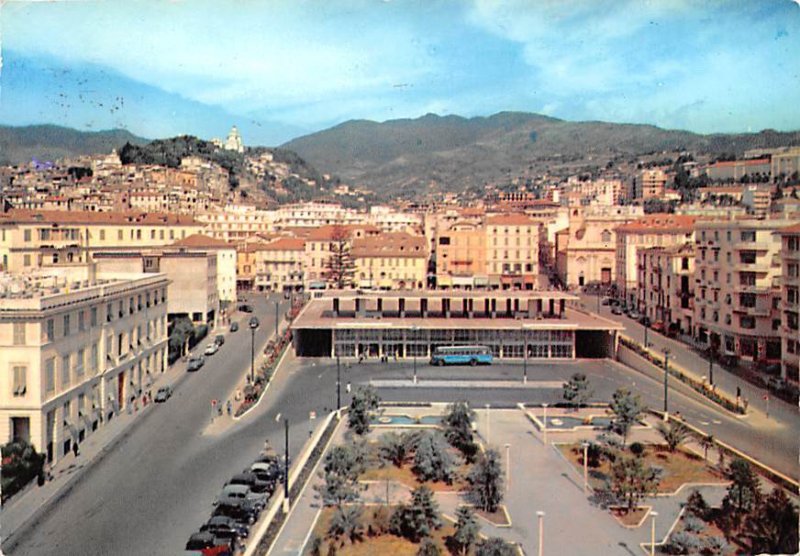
281, 68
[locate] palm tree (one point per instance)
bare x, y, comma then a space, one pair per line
673, 434
346, 521
706, 442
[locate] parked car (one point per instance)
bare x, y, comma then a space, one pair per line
644, 321
267, 470
234, 326
254, 322
236, 510
616, 310
195, 363
251, 480
211, 349
219, 340
605, 301
242, 492
220, 524
658, 326
634, 314
209, 544
163, 394
245, 308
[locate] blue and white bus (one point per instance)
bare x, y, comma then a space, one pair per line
461, 355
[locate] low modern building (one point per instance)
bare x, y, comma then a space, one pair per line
77, 346
543, 325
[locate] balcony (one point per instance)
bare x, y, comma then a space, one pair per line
758, 311
751, 246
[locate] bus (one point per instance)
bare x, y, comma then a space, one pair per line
459, 355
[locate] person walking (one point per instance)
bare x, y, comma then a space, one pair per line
229, 406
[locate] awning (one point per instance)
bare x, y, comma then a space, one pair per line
444, 280
463, 280
494, 281
481, 280
317, 285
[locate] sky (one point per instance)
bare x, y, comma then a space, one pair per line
283, 68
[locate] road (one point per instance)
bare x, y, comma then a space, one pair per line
156, 488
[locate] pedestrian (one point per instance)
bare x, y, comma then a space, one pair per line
238, 395
75, 449
348, 388
230, 407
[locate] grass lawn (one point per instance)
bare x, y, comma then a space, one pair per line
679, 467
385, 544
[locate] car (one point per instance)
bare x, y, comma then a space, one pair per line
242, 492
211, 349
658, 326
634, 314
252, 481
245, 308
219, 339
195, 363
644, 320
254, 322
163, 394
220, 524
605, 301
267, 470
236, 510
234, 326
209, 544
616, 310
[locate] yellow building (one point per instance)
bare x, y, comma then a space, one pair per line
32, 239
391, 261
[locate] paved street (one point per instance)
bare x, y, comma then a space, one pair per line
150, 494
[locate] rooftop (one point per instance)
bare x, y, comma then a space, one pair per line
660, 224
30, 216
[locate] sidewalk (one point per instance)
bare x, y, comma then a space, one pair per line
29, 505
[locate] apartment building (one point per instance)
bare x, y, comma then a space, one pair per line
737, 169
653, 230
236, 222
279, 265
76, 348
586, 249
32, 239
649, 184
790, 301
226, 262
666, 286
512, 251
390, 261
737, 288
461, 256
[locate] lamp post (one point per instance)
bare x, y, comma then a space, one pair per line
414, 352
338, 388
646, 326
524, 357
253, 327
286, 468
508, 466
585, 467
666, 384
540, 515
544, 423
653, 516
277, 305
488, 426
710, 367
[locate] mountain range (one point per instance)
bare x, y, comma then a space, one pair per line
452, 152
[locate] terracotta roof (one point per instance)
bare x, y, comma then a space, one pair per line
752, 162
660, 224
514, 219
722, 189
285, 244
793, 229
390, 244
327, 232
203, 241
30, 216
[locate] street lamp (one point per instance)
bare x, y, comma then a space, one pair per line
646, 326
585, 467
540, 514
414, 351
710, 367
253, 327
277, 305
286, 468
666, 381
338, 388
508, 466
488, 426
653, 515
524, 357
544, 423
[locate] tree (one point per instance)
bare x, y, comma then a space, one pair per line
365, 401
467, 530
396, 447
696, 505
631, 480
457, 423
432, 460
343, 465
495, 546
486, 481
20, 464
627, 408
340, 267
706, 441
417, 519
346, 521
182, 330
674, 434
428, 548
577, 390
772, 527
743, 492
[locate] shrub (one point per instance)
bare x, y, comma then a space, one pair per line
693, 524
716, 545
486, 481
21, 464
594, 454
683, 543
432, 460
696, 505
428, 548
495, 546
637, 449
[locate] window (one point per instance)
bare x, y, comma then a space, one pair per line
119, 235
81, 321
606, 236
94, 359
728, 256
93, 317
20, 385
685, 263
442, 241
66, 325
747, 235
26, 236
79, 362
728, 235
747, 322
50, 375
65, 371
19, 333
747, 278
102, 235
51, 330
747, 257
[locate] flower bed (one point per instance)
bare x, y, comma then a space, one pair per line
263, 375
